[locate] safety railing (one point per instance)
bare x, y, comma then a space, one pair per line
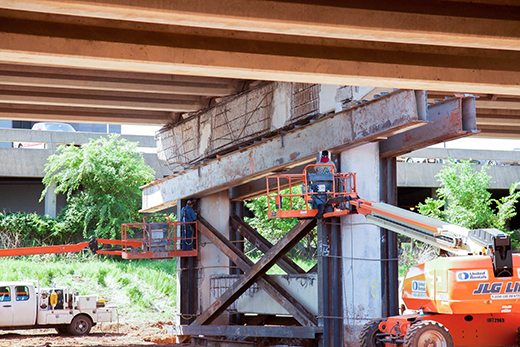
300, 195
159, 240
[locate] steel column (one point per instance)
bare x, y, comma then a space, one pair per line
188, 296
389, 254
236, 209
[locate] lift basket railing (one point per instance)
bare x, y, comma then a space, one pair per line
166, 239
298, 195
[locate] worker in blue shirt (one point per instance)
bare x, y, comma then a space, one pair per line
187, 215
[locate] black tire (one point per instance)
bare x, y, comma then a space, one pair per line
62, 330
80, 325
368, 335
428, 333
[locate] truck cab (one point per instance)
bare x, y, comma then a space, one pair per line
17, 304
24, 306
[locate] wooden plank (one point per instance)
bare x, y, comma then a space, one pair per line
254, 273
285, 263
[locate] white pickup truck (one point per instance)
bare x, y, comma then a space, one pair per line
25, 306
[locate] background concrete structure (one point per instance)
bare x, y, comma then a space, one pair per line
21, 171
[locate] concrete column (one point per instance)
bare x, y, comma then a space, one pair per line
50, 201
215, 209
361, 240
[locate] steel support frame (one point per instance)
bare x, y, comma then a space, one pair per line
236, 209
330, 279
256, 272
389, 254
188, 283
294, 332
260, 242
449, 119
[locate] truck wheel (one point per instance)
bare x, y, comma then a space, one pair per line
368, 335
62, 330
428, 333
80, 325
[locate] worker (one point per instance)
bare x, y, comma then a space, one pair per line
320, 186
323, 158
187, 216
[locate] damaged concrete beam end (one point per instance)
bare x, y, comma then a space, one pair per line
388, 115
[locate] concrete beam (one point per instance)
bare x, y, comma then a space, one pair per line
120, 101
506, 132
156, 48
449, 120
388, 115
80, 114
75, 83
452, 24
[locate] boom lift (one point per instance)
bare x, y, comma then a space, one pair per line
146, 240
471, 299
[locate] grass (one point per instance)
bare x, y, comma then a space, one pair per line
143, 290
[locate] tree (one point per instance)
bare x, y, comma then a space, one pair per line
464, 199
101, 181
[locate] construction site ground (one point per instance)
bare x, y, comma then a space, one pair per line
128, 335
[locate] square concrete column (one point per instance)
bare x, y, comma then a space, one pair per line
361, 243
50, 201
215, 209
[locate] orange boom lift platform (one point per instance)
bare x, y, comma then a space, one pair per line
146, 240
469, 297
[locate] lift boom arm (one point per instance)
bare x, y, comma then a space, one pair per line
92, 245
448, 237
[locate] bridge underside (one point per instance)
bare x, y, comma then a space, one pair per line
126, 61
164, 62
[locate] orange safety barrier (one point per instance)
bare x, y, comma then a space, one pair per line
159, 240
296, 195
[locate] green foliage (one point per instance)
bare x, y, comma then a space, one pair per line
274, 229
464, 199
30, 229
101, 182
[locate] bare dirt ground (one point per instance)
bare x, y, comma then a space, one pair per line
127, 335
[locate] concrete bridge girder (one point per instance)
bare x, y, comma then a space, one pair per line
412, 60
433, 25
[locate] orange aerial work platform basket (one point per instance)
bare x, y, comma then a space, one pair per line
317, 192
159, 240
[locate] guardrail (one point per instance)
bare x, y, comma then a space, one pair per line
419, 168
52, 139
29, 162
480, 157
